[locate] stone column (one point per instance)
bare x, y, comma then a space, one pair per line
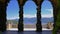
55, 15
3, 6
55, 9
20, 24
38, 24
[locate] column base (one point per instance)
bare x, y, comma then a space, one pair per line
38, 28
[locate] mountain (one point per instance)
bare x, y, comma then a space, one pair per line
46, 20
33, 20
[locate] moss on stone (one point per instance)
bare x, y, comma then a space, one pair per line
57, 25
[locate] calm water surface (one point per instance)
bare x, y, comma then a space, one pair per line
26, 32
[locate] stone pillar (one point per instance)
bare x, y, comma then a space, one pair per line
57, 26
3, 6
38, 24
55, 10
55, 13
20, 24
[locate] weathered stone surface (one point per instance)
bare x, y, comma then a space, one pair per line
3, 6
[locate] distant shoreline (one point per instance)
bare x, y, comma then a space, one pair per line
27, 29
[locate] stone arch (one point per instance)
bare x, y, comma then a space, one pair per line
55, 9
3, 5
47, 12
38, 24
55, 13
30, 11
10, 16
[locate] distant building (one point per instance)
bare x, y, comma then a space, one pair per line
10, 25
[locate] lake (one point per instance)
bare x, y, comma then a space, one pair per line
27, 32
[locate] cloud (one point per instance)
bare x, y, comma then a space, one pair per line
43, 16
10, 18
32, 16
46, 15
29, 16
24, 15
51, 10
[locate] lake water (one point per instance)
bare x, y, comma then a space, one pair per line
27, 32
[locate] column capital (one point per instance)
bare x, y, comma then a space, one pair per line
21, 2
4, 1
54, 3
38, 2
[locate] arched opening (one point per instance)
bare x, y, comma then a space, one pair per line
29, 16
12, 15
47, 19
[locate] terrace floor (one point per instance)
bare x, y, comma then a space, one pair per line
27, 32
31, 31
28, 29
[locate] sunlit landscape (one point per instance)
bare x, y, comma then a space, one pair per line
30, 17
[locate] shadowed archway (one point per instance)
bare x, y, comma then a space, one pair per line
56, 9
29, 16
12, 15
3, 7
47, 15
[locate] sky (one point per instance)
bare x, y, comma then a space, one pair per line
29, 9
